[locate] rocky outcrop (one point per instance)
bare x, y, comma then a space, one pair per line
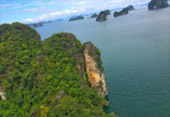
123, 12
2, 94
102, 16
157, 4
94, 69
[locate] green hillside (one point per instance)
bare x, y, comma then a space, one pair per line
42, 78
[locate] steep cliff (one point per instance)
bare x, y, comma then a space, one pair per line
94, 68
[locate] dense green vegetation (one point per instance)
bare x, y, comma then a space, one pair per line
42, 78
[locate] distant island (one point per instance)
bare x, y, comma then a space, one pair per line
39, 24
157, 4
76, 18
58, 20
35, 25
124, 11
103, 15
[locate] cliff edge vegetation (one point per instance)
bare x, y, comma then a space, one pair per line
47, 78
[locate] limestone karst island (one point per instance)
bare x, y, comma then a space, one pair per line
84, 58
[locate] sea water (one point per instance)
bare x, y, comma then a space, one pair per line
136, 58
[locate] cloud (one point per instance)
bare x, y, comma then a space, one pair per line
56, 14
81, 3
80, 7
40, 9
16, 4
49, 10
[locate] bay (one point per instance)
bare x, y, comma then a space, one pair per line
136, 58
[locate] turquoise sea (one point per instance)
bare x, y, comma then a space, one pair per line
136, 57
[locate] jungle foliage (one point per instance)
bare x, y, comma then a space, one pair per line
41, 78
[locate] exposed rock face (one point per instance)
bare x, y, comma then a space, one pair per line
123, 12
60, 95
94, 68
2, 94
157, 4
102, 16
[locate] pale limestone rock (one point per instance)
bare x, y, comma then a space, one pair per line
94, 71
2, 94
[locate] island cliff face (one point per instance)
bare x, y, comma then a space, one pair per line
94, 69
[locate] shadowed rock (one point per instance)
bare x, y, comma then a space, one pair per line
102, 16
123, 12
157, 4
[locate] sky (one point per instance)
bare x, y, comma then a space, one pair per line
30, 11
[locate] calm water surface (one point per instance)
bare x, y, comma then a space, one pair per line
136, 58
